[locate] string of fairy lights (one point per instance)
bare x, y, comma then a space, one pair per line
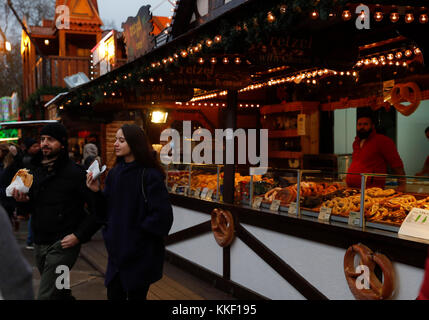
148, 74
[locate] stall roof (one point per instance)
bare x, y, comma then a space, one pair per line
20, 124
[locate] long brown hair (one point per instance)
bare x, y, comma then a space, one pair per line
140, 147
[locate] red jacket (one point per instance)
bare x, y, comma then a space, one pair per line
377, 152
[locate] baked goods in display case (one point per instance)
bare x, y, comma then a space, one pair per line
381, 205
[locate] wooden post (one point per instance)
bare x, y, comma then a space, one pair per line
229, 169
62, 42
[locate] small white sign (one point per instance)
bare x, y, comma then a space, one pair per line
257, 203
185, 191
197, 192
275, 205
325, 213
203, 194
354, 219
416, 224
292, 208
210, 194
301, 124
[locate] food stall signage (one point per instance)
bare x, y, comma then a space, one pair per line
275, 205
325, 213
354, 218
138, 33
301, 124
416, 224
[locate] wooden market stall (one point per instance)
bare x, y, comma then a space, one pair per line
243, 64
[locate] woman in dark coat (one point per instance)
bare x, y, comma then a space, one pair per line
136, 219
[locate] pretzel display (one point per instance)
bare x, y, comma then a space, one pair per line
377, 290
406, 92
223, 229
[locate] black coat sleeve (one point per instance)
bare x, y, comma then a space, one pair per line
159, 216
91, 223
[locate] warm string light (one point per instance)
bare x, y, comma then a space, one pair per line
216, 104
306, 76
388, 58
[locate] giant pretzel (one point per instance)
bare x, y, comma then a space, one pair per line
222, 226
410, 92
377, 290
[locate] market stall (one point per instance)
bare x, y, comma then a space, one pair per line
284, 234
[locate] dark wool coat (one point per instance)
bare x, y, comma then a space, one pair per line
57, 202
134, 231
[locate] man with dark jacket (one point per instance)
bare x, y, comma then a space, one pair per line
60, 221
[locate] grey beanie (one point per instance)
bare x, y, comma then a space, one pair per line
89, 149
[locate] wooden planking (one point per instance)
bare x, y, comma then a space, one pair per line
176, 289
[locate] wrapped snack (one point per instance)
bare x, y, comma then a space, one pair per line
22, 182
95, 169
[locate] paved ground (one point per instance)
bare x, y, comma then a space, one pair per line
87, 281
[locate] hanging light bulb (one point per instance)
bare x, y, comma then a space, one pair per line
209, 42
271, 17
201, 61
314, 14
390, 56
423, 18
347, 15
378, 15
237, 60
217, 39
409, 17
417, 51
408, 53
398, 55
225, 60
394, 16
213, 60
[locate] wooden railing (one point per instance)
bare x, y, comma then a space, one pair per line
51, 70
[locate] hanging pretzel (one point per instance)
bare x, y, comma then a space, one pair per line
222, 226
377, 290
404, 92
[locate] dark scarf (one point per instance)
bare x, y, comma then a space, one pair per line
49, 163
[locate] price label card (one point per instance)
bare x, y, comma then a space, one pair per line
203, 194
325, 213
292, 208
197, 192
173, 189
416, 224
354, 219
257, 203
275, 205
209, 194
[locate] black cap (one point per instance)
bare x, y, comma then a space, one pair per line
29, 142
57, 131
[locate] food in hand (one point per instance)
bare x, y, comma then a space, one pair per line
26, 177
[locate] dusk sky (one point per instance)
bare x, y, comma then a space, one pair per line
120, 10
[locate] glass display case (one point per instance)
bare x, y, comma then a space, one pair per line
381, 201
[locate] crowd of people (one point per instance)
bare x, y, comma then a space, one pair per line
67, 207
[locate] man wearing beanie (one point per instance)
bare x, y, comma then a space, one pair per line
57, 201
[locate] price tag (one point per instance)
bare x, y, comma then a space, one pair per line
203, 194
185, 191
173, 189
257, 203
210, 194
325, 213
292, 208
197, 192
354, 219
275, 205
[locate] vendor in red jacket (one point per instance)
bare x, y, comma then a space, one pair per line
372, 153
